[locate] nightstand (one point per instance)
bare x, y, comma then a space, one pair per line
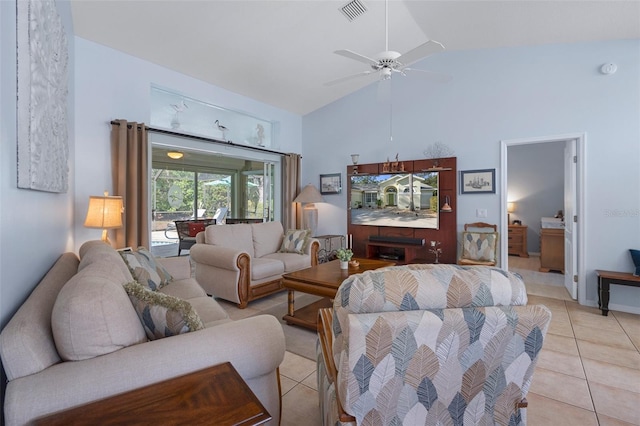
517, 240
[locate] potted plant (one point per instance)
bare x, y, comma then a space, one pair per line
344, 255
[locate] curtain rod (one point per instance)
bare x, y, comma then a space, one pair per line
203, 138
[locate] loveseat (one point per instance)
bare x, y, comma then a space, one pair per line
78, 338
429, 344
244, 262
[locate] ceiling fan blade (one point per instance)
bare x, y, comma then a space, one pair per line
430, 75
420, 52
356, 56
349, 77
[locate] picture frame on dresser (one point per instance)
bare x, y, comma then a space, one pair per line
331, 183
478, 181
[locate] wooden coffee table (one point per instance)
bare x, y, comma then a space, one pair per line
321, 280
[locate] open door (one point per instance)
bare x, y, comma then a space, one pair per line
570, 203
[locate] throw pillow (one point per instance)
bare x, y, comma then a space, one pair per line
635, 256
295, 241
194, 228
146, 269
92, 316
479, 246
162, 315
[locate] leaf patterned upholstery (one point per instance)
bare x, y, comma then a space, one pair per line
429, 344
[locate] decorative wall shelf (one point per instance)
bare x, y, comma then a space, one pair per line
180, 113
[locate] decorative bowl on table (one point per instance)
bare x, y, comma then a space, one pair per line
354, 263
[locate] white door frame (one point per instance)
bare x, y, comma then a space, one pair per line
581, 139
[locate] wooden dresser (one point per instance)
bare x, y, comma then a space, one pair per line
517, 240
551, 250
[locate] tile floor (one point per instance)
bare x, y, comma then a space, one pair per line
588, 372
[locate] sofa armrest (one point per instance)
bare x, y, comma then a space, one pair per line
217, 256
179, 267
255, 346
312, 250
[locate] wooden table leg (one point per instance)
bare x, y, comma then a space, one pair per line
290, 299
603, 295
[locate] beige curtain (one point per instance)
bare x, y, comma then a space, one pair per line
130, 172
291, 212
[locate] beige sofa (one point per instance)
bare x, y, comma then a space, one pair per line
243, 262
80, 310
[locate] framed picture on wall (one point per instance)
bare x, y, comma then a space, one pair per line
331, 183
478, 181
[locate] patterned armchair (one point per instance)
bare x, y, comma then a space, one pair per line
429, 344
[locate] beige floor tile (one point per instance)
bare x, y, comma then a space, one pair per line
617, 403
547, 301
546, 290
301, 407
561, 387
286, 384
561, 326
561, 363
610, 421
566, 345
631, 325
612, 375
296, 367
595, 321
311, 381
543, 411
622, 357
603, 337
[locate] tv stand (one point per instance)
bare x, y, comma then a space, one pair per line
394, 251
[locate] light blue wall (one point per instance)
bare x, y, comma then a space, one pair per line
536, 185
502, 94
112, 85
35, 227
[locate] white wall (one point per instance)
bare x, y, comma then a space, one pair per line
35, 227
499, 94
536, 185
112, 85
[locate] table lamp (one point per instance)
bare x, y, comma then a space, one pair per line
104, 212
309, 196
511, 207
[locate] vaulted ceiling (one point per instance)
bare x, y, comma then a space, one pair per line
281, 52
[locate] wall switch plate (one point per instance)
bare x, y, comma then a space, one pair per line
481, 212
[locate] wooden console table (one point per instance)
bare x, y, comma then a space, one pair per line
605, 279
215, 395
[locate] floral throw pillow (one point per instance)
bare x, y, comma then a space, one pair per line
295, 241
162, 315
145, 269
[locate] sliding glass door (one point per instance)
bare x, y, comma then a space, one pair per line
205, 183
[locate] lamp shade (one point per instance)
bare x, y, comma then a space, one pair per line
104, 212
511, 207
309, 194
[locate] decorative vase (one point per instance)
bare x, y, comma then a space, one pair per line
344, 264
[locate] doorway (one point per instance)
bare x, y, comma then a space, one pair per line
570, 153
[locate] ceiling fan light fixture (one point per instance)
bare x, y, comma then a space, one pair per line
175, 155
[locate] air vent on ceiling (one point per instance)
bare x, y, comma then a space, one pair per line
353, 9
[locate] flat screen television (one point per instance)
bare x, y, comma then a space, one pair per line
408, 200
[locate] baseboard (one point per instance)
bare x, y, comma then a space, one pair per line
616, 307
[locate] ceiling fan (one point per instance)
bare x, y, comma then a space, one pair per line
388, 62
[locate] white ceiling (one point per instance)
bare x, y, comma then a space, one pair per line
281, 52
